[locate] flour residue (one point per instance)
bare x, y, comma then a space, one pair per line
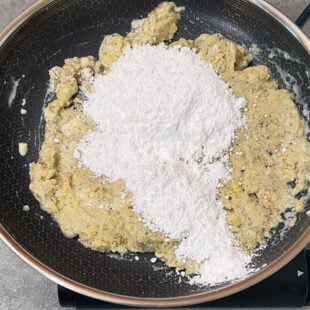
12, 96
48, 97
255, 49
275, 52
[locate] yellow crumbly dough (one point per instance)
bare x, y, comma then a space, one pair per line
271, 152
160, 25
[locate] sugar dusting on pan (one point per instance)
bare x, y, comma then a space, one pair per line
48, 97
36, 136
12, 96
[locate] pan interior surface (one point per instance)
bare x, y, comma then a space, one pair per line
62, 29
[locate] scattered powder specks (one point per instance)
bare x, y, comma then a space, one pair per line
165, 120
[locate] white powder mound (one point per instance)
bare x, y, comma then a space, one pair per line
165, 120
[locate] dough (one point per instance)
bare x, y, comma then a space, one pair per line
266, 158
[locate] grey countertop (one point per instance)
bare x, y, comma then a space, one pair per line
21, 287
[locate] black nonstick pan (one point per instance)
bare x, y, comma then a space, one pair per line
50, 31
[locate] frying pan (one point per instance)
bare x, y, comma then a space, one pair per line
42, 37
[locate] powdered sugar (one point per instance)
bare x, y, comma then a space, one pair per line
165, 122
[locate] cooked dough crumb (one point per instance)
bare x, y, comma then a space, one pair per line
26, 208
23, 148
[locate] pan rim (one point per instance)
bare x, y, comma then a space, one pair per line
268, 8
300, 244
